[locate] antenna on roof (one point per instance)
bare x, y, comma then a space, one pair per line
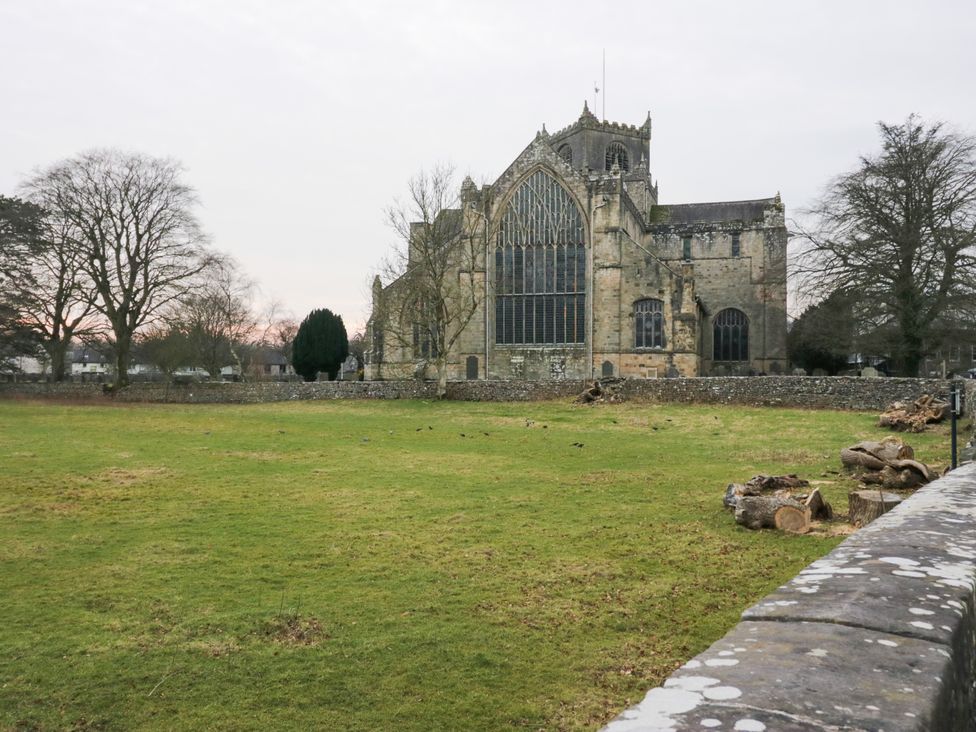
604, 85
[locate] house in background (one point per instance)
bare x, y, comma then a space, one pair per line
269, 364
89, 361
260, 363
349, 370
24, 368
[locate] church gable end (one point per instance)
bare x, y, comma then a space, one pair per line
586, 274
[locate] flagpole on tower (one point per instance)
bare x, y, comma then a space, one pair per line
604, 85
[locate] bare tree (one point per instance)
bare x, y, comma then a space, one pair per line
131, 217
58, 299
897, 237
217, 317
166, 347
435, 277
278, 329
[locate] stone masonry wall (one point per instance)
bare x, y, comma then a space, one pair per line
773, 391
878, 635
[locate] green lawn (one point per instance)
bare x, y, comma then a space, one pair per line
380, 565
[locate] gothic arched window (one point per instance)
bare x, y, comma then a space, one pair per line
540, 266
617, 155
730, 336
566, 153
425, 332
649, 324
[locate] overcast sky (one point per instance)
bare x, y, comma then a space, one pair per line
300, 122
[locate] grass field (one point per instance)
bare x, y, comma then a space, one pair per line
381, 565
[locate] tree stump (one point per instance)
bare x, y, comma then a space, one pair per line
865, 506
769, 512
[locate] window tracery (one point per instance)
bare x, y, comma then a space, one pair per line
730, 336
617, 155
649, 324
540, 266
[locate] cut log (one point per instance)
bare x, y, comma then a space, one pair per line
759, 512
792, 520
867, 505
854, 459
820, 510
875, 455
591, 394
900, 475
735, 491
924, 471
769, 483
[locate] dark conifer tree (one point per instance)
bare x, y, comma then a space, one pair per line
321, 344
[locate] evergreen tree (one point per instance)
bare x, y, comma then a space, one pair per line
822, 337
321, 344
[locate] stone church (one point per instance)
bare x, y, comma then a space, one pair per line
579, 272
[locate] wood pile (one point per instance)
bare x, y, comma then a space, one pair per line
914, 417
604, 390
889, 463
776, 502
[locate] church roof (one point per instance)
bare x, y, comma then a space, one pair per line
717, 212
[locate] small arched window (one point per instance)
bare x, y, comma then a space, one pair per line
566, 153
730, 336
649, 324
617, 155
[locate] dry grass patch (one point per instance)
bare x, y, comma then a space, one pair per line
293, 629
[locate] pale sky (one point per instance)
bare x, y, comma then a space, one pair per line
299, 123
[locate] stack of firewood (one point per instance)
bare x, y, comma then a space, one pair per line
914, 417
777, 502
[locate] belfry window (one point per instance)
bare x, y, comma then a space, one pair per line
540, 266
736, 246
649, 324
617, 155
566, 153
730, 336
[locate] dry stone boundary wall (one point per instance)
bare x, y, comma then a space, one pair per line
777, 391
